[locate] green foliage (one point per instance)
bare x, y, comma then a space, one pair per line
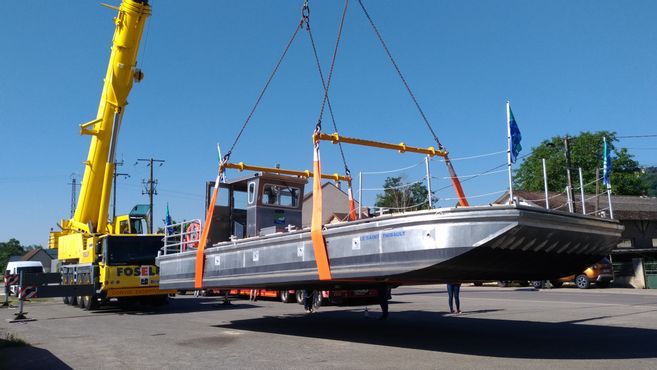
585, 152
402, 196
10, 248
175, 229
649, 180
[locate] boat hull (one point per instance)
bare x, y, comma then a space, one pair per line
424, 247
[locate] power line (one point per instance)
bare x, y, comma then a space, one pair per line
635, 136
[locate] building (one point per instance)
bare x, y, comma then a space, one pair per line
635, 257
45, 256
335, 205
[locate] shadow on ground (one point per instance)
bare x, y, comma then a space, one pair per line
461, 334
175, 306
28, 358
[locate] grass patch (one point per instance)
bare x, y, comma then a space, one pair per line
11, 340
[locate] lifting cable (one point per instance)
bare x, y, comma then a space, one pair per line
306, 12
264, 88
450, 168
330, 74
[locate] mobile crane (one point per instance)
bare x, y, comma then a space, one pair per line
113, 256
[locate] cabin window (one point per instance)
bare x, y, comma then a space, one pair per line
280, 195
124, 227
251, 192
239, 199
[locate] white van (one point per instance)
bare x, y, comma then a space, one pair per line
15, 268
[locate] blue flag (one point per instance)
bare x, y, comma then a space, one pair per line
167, 221
515, 136
606, 163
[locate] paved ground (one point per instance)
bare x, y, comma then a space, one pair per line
501, 328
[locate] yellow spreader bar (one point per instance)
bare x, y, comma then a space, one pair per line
306, 174
401, 147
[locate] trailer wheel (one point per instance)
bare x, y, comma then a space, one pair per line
82, 301
286, 297
73, 301
65, 300
318, 300
299, 295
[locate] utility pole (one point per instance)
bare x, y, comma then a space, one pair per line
74, 188
149, 188
116, 174
568, 176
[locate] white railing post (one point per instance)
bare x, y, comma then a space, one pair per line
426, 163
360, 195
581, 191
545, 185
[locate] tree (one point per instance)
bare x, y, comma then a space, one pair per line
10, 248
403, 197
649, 180
585, 152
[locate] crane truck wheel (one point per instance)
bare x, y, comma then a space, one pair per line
65, 300
91, 303
73, 301
82, 301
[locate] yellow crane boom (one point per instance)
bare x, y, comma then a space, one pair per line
93, 203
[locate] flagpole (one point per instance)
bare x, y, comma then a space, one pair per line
508, 153
606, 177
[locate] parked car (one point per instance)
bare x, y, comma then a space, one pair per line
15, 268
600, 273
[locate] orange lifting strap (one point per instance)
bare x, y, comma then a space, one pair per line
319, 244
352, 203
200, 251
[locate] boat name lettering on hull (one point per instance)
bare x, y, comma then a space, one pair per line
394, 234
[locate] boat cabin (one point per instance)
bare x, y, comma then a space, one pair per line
259, 204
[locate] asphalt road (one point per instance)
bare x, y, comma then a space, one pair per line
501, 328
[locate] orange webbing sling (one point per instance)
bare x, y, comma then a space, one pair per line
319, 244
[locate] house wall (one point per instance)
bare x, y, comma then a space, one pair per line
334, 200
44, 258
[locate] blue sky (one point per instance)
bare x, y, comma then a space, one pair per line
566, 66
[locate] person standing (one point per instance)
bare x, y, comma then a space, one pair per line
383, 294
308, 297
453, 291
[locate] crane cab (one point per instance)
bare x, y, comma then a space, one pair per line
132, 223
260, 204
